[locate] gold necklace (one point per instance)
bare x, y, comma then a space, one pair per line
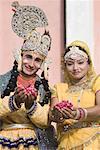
74, 88
78, 87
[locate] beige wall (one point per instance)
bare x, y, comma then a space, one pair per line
9, 40
85, 26
97, 35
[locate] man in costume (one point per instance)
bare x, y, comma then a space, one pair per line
24, 102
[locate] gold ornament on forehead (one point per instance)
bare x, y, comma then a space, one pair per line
74, 53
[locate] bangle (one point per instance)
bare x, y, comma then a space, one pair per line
15, 105
12, 104
81, 113
32, 109
77, 115
85, 113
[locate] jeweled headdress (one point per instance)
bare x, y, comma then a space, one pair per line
75, 52
25, 21
27, 18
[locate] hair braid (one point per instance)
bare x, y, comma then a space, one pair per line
12, 82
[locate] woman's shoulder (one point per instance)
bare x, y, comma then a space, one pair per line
96, 83
97, 79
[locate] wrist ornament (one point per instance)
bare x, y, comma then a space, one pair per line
12, 104
32, 109
81, 114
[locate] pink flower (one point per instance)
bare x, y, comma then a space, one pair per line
64, 104
29, 90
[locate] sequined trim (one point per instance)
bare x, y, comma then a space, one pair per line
32, 109
82, 145
86, 143
16, 126
38, 43
12, 105
27, 18
4, 80
46, 138
80, 125
15, 144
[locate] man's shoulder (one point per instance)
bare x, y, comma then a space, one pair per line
4, 80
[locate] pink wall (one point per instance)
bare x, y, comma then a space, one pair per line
97, 35
9, 40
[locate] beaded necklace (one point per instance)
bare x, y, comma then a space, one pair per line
74, 88
78, 87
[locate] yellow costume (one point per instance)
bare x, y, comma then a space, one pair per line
22, 128
72, 134
18, 127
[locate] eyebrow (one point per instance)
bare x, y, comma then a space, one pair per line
28, 55
38, 58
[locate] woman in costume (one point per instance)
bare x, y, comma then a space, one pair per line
24, 102
76, 103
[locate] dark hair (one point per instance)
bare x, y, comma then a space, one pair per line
44, 82
80, 48
47, 33
12, 82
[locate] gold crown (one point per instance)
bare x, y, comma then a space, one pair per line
37, 42
24, 23
27, 18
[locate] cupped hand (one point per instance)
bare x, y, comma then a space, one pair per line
56, 116
27, 95
29, 101
31, 95
19, 96
66, 109
68, 113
